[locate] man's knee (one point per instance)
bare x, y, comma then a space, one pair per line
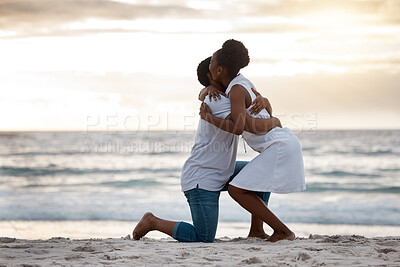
205, 237
208, 239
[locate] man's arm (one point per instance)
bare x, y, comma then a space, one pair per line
226, 124
261, 126
252, 125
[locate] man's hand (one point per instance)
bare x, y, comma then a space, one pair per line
205, 111
260, 103
277, 121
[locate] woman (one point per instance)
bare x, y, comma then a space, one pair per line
279, 166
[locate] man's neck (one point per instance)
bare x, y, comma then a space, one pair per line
219, 86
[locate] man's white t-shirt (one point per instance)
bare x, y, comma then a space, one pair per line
213, 156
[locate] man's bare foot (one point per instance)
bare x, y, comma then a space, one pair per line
277, 236
145, 225
261, 235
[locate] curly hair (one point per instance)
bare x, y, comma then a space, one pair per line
202, 71
234, 56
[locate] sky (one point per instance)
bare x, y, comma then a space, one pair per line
130, 65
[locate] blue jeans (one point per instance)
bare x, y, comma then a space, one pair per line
204, 207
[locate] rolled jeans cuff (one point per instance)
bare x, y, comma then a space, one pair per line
175, 229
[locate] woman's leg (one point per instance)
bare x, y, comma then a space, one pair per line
256, 228
253, 204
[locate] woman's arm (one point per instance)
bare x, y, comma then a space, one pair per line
238, 120
238, 107
235, 122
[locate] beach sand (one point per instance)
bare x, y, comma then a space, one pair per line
316, 250
33, 245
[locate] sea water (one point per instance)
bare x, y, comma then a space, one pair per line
353, 178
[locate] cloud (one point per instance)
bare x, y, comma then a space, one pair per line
25, 18
380, 10
30, 14
291, 8
393, 61
390, 10
272, 28
372, 91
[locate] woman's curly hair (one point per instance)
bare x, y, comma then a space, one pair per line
234, 56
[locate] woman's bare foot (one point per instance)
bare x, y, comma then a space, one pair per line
145, 225
277, 236
261, 235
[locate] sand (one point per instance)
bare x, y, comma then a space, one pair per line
116, 229
315, 250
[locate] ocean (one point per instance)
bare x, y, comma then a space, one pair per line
353, 178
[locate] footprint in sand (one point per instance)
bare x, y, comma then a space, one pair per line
37, 251
84, 249
386, 250
21, 246
303, 256
73, 257
253, 248
391, 243
111, 257
7, 240
212, 259
252, 260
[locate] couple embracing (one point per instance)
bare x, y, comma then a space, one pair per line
212, 166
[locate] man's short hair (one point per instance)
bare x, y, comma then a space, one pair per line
202, 71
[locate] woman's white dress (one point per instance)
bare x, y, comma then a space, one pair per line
279, 167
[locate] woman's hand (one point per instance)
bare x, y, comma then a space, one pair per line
205, 111
260, 103
213, 92
203, 93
